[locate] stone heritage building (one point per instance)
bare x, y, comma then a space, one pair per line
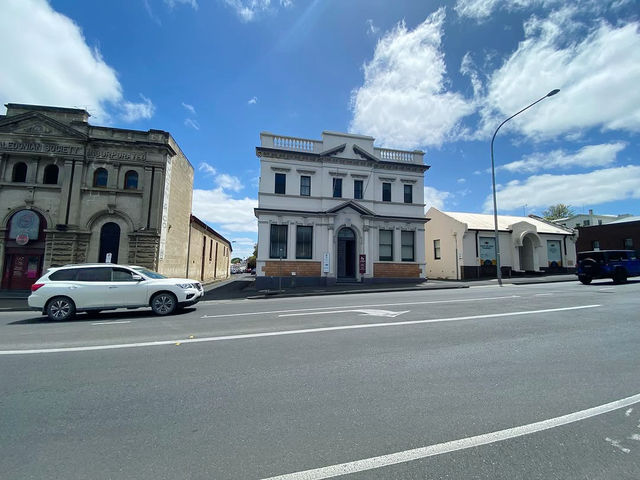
71, 192
338, 210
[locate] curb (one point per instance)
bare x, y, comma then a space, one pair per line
348, 292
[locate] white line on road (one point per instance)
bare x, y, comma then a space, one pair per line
361, 306
363, 311
543, 294
111, 323
286, 332
455, 445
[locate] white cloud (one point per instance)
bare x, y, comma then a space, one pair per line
229, 182
599, 186
137, 111
253, 101
371, 28
190, 108
217, 207
192, 123
434, 198
589, 156
461, 180
482, 9
403, 102
208, 169
192, 3
591, 73
46, 60
248, 10
242, 246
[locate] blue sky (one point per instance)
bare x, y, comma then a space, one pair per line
435, 76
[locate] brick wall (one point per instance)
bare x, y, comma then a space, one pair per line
396, 270
284, 269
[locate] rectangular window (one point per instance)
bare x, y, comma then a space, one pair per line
386, 192
281, 183
357, 189
386, 245
595, 245
436, 249
337, 188
278, 241
407, 246
628, 243
304, 242
210, 248
305, 186
587, 223
408, 194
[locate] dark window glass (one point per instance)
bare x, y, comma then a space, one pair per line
121, 275
281, 183
278, 241
305, 185
131, 180
337, 188
19, 172
357, 189
628, 243
386, 192
436, 249
408, 194
386, 245
100, 177
407, 246
67, 274
587, 223
94, 274
210, 249
304, 242
50, 175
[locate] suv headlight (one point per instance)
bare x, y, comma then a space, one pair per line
184, 285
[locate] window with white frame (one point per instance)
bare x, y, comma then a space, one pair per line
386, 245
407, 245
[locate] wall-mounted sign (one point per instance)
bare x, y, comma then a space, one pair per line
325, 263
107, 258
362, 263
487, 250
22, 239
24, 222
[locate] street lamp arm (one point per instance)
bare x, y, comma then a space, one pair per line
553, 92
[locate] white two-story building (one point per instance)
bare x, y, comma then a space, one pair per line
338, 210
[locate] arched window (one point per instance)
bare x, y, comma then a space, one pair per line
131, 180
50, 175
100, 177
19, 172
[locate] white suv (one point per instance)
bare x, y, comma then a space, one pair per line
63, 291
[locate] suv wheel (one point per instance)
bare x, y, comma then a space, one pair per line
60, 309
163, 303
585, 280
620, 275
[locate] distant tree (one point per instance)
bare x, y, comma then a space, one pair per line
251, 262
236, 260
255, 249
558, 211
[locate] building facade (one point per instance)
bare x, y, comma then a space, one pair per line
462, 245
71, 192
338, 210
623, 234
587, 219
209, 253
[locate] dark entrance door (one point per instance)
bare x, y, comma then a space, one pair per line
109, 242
24, 250
346, 254
24, 270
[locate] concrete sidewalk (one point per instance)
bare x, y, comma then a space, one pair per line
243, 287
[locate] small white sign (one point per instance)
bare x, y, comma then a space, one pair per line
108, 258
325, 263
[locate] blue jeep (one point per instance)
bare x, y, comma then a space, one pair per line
614, 264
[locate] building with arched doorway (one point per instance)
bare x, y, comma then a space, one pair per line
338, 210
462, 245
72, 192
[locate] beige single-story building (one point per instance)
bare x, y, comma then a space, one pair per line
209, 253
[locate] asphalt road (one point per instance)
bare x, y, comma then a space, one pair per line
401, 385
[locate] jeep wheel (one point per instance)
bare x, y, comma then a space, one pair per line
60, 309
585, 280
620, 275
163, 303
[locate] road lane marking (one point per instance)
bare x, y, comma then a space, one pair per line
278, 333
543, 294
455, 445
111, 323
462, 300
373, 313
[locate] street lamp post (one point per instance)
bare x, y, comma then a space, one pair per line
493, 181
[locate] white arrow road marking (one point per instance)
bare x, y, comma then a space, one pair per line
373, 313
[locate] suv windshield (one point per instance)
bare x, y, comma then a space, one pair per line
148, 273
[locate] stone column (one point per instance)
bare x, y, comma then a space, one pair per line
332, 253
397, 242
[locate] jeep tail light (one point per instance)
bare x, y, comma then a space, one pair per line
36, 286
